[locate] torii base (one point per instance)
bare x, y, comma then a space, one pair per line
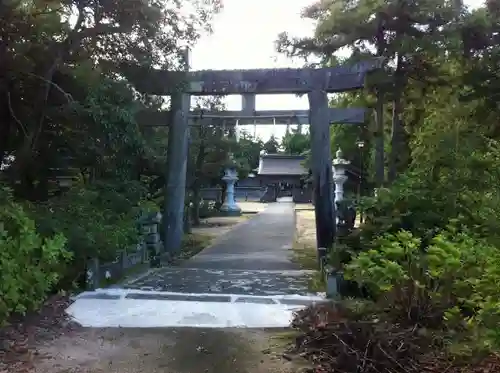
230, 211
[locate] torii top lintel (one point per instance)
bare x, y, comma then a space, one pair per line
260, 81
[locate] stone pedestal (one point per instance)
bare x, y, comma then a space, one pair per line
339, 176
229, 207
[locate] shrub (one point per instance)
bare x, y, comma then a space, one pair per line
98, 221
451, 182
93, 227
29, 265
452, 283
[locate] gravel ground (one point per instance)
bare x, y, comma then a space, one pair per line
48, 342
161, 350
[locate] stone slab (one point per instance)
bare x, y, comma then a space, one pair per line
224, 281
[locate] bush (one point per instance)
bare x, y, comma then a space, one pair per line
94, 228
98, 221
460, 183
427, 251
29, 265
452, 284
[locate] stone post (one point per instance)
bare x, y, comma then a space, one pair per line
151, 236
229, 207
92, 274
339, 176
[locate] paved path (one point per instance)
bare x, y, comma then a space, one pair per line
226, 281
261, 243
254, 258
250, 264
213, 314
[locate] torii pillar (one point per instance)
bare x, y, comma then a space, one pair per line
321, 167
177, 156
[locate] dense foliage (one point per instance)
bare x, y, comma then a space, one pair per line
427, 252
75, 146
296, 142
30, 264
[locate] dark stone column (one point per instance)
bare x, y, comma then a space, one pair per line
175, 188
321, 166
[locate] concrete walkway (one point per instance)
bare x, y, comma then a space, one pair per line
246, 279
261, 243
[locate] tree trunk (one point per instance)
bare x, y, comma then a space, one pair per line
397, 125
26, 155
187, 220
379, 114
196, 206
5, 125
379, 140
5, 85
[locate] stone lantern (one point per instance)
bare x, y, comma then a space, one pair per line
229, 207
339, 166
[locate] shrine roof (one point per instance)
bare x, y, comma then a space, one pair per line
282, 165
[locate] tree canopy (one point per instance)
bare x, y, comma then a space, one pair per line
77, 163
295, 142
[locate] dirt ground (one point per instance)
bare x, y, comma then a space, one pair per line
186, 350
304, 247
306, 225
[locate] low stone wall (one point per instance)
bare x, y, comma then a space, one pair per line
146, 252
241, 193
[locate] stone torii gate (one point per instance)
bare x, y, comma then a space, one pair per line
180, 85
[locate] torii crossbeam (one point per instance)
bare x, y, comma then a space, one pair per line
258, 81
258, 117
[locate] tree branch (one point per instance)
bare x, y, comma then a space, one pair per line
102, 29
45, 12
11, 110
56, 86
